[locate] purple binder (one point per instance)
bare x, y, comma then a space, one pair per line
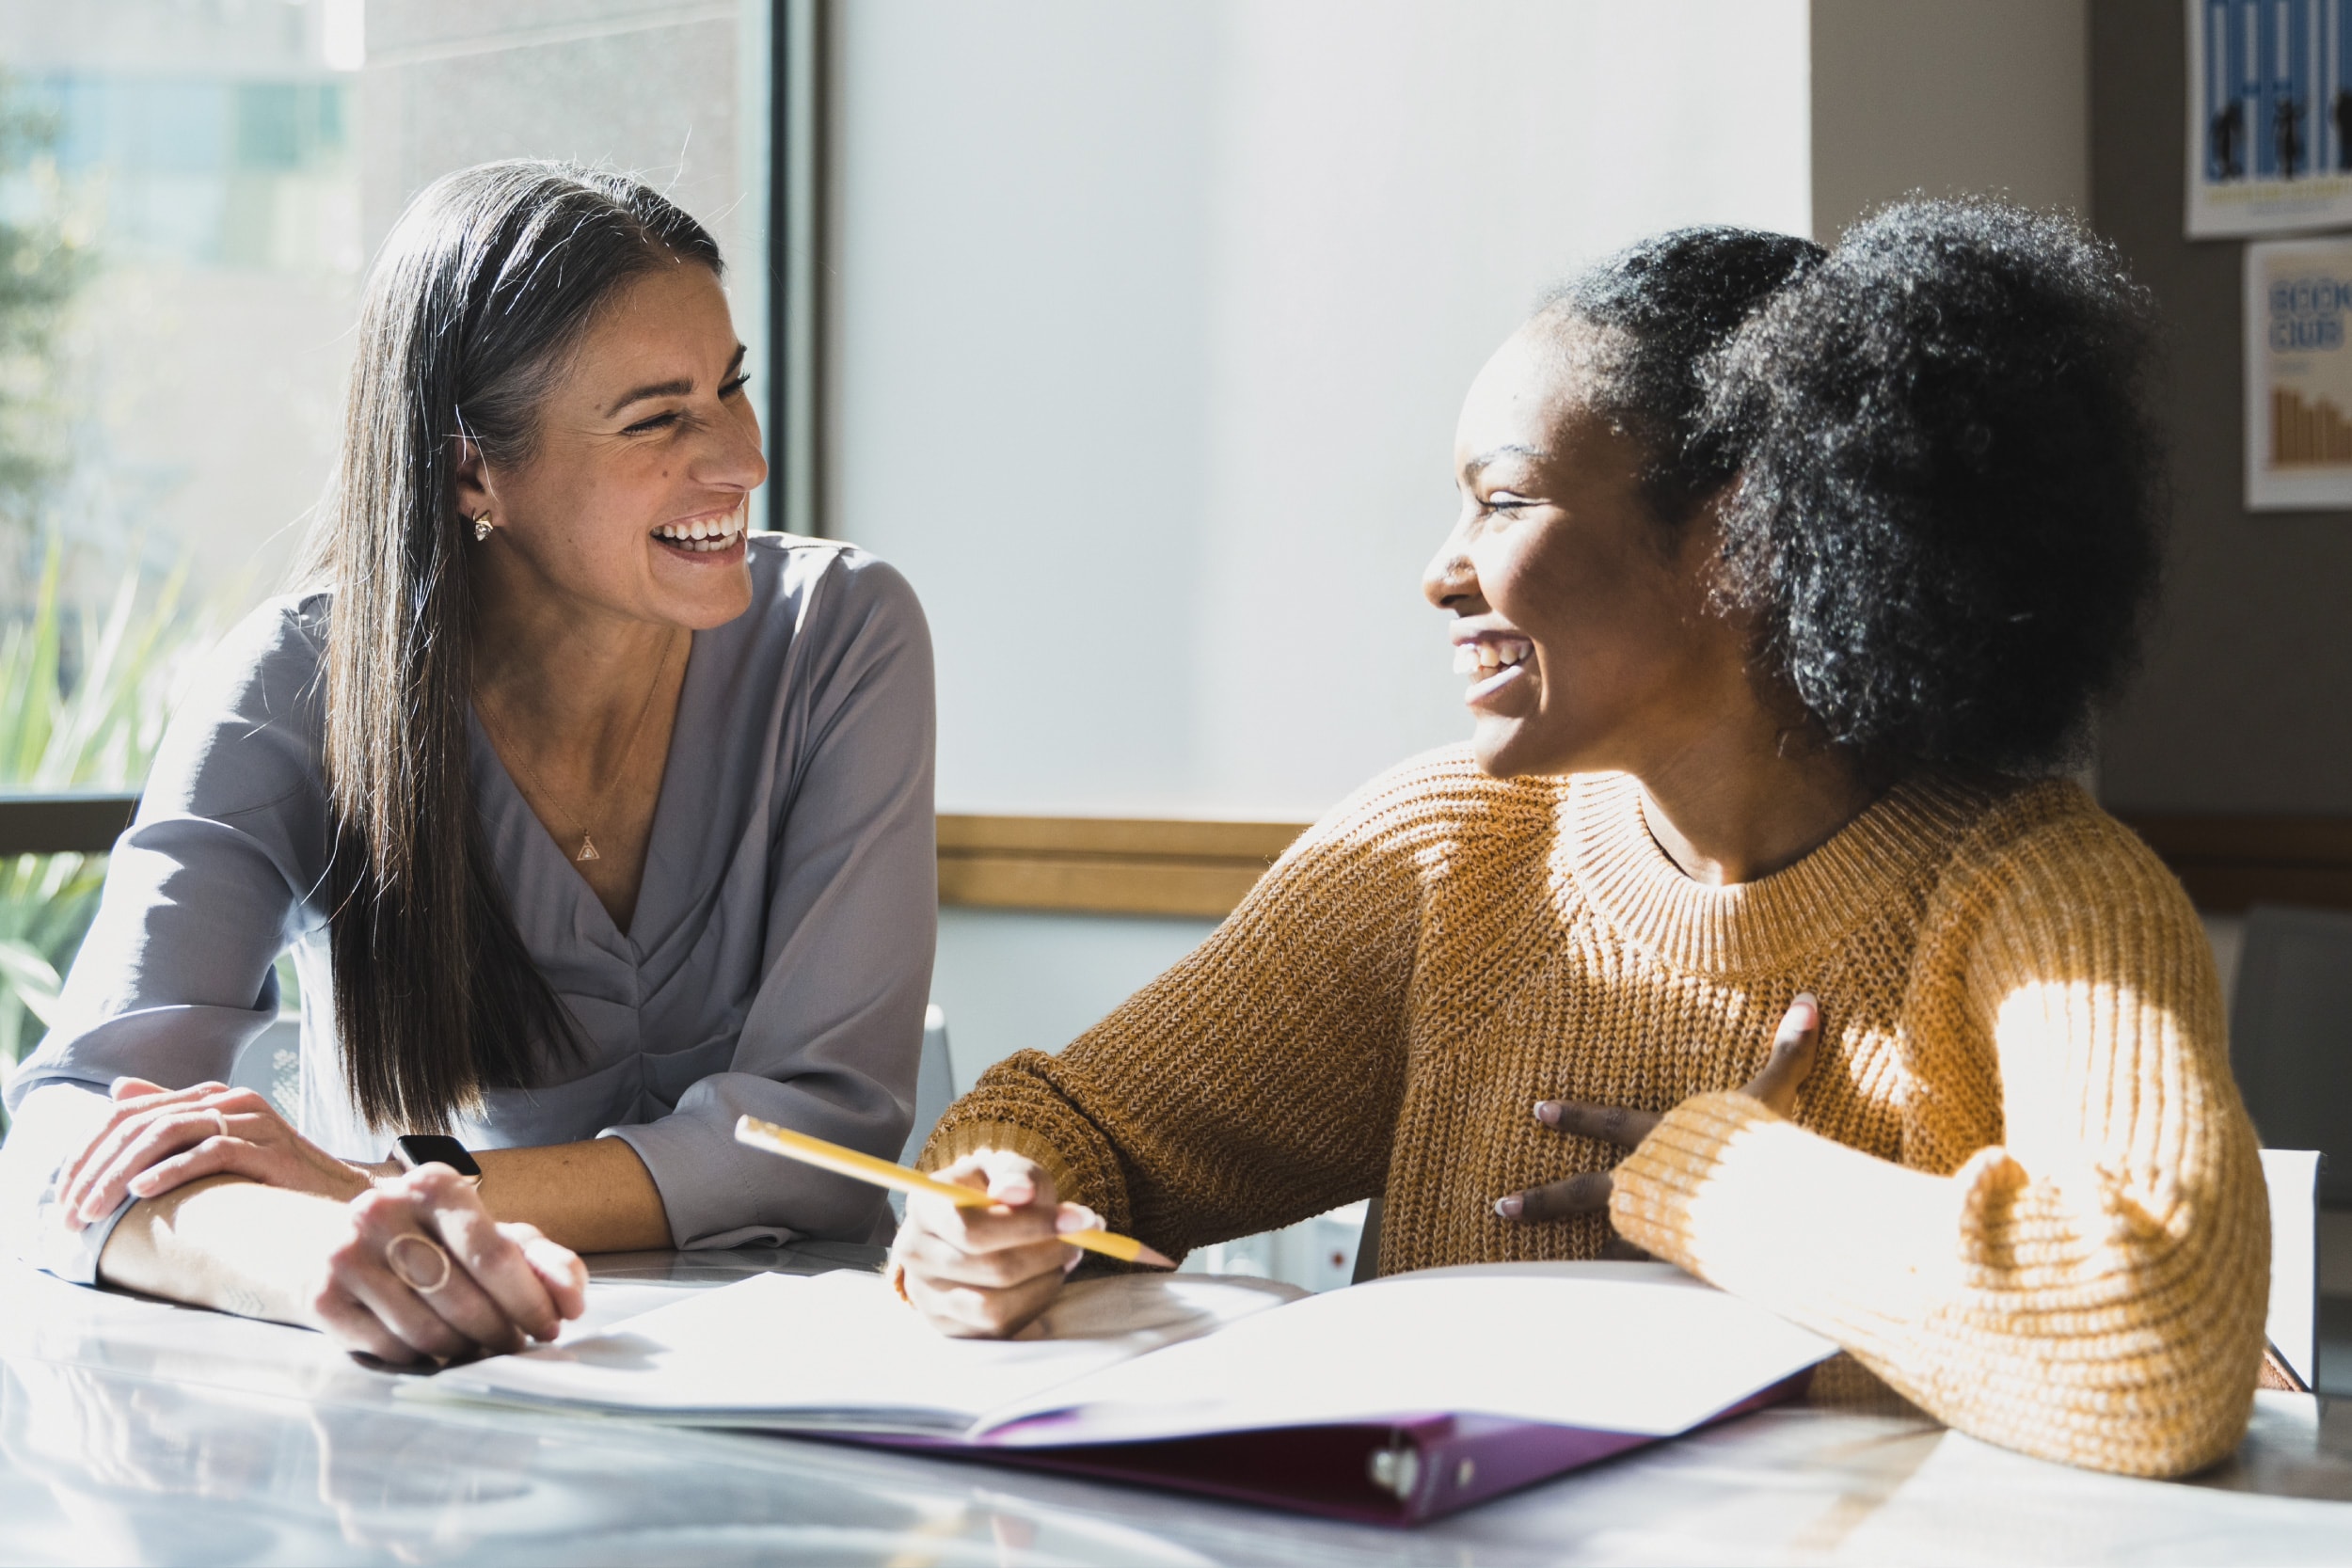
1403, 1471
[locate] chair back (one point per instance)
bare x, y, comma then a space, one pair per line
2291, 1036
934, 1084
2292, 1324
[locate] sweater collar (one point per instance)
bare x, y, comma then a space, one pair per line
1606, 847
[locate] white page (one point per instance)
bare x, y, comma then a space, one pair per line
840, 1351
1610, 1347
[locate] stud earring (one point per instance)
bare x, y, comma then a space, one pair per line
481, 528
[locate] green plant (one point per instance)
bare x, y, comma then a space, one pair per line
83, 702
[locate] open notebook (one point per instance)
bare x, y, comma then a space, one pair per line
1396, 1401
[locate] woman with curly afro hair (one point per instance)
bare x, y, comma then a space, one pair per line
1788, 581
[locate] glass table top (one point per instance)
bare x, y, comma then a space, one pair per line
136, 1432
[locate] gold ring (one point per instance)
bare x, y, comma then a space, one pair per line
392, 1261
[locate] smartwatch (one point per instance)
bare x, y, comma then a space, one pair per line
420, 1148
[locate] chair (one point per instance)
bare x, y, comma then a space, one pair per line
934, 1086
2291, 1036
2292, 1324
1367, 1245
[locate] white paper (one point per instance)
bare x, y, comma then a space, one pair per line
1607, 1347
841, 1352
1636, 1348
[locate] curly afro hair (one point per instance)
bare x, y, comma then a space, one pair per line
1948, 508
1939, 476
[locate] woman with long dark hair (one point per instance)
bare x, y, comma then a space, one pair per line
1786, 580
592, 821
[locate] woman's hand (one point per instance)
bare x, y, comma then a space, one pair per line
157, 1139
985, 1272
421, 1272
1793, 1050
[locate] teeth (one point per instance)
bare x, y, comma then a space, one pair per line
705, 535
1472, 659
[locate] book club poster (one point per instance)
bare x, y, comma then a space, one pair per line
2298, 374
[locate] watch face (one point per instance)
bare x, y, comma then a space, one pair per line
423, 1149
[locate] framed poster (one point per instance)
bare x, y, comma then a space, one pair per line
2298, 375
2269, 115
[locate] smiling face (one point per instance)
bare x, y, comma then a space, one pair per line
1583, 624
634, 497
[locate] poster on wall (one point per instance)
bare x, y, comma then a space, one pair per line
2298, 375
2269, 115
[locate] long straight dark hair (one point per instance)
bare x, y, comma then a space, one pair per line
487, 283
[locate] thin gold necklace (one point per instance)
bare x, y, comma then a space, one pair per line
506, 748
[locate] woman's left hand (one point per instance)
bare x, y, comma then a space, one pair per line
1793, 1049
157, 1139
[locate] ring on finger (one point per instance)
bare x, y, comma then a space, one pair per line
394, 1255
220, 1119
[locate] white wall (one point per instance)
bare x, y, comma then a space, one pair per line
1010, 980
1149, 323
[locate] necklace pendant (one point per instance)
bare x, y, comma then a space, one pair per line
587, 849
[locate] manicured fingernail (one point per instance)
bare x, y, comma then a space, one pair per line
1510, 1208
1804, 1012
1547, 1112
1071, 1219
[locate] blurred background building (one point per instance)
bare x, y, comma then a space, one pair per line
219, 172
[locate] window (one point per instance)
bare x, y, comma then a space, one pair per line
190, 191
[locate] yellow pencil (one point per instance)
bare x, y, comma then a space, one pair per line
882, 1173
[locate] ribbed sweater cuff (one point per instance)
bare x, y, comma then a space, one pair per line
971, 1137
1655, 1186
1848, 1245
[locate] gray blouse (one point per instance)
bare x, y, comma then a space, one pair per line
777, 963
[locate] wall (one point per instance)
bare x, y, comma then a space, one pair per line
2242, 704
1011, 980
1149, 323
1989, 97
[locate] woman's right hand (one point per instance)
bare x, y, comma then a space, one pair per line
421, 1272
986, 1273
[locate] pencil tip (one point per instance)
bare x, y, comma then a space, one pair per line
1156, 1258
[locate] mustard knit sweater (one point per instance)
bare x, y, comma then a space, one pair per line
2019, 1185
